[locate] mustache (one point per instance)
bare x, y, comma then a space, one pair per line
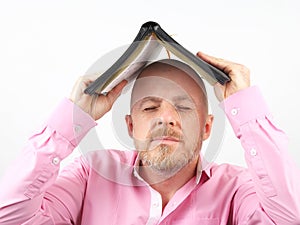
165, 132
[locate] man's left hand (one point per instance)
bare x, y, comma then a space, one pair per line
239, 75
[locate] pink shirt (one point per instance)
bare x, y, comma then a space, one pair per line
104, 187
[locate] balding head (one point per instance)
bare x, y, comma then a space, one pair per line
169, 71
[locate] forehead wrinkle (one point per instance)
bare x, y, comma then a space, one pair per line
175, 99
179, 98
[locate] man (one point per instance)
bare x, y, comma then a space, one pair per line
163, 182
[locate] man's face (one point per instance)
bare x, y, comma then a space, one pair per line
168, 120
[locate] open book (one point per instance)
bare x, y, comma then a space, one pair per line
147, 45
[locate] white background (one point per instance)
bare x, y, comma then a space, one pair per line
46, 45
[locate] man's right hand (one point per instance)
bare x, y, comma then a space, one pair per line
95, 106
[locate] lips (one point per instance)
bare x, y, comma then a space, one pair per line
165, 136
166, 140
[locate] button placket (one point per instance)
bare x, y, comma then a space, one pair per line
155, 205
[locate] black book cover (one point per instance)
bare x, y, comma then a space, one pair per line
148, 43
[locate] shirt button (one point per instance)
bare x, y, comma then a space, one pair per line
253, 152
55, 160
234, 111
155, 205
77, 128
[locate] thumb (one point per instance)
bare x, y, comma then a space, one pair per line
219, 91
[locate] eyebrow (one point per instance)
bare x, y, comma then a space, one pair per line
175, 99
151, 99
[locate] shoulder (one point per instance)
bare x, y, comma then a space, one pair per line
227, 173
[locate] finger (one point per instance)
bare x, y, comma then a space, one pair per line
217, 62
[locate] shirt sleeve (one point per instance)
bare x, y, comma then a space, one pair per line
23, 194
275, 175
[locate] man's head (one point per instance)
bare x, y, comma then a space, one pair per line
169, 116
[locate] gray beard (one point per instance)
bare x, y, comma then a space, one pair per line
166, 161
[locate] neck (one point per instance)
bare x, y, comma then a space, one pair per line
168, 185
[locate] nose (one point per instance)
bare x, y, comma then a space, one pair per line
168, 115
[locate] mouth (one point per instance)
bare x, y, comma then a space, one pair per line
166, 140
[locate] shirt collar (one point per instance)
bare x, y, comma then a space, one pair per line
203, 166
202, 163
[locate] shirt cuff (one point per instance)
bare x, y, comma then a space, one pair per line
71, 121
244, 106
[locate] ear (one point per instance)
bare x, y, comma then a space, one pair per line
128, 120
208, 126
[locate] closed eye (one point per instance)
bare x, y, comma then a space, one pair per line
183, 108
151, 108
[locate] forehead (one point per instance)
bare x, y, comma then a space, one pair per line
166, 82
